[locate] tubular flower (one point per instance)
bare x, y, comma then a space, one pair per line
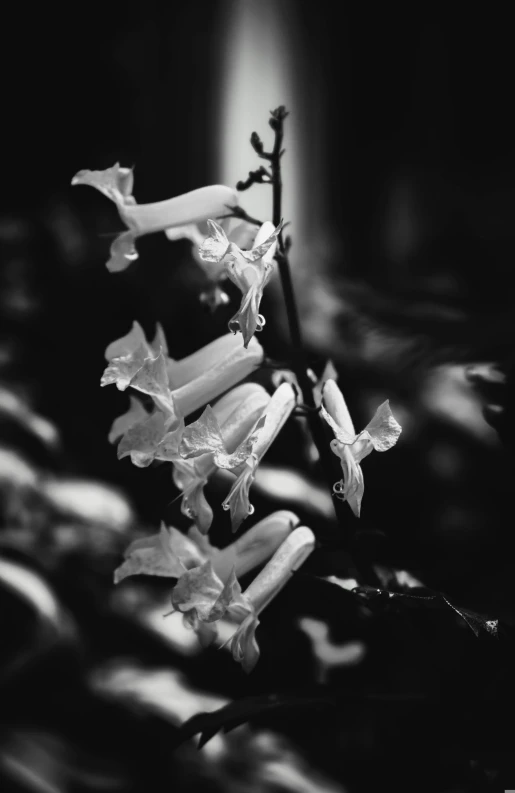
381, 434
183, 211
278, 411
290, 555
228, 432
178, 388
240, 232
170, 553
249, 270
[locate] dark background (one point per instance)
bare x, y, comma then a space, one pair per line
412, 120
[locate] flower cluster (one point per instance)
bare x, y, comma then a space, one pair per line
221, 250
239, 421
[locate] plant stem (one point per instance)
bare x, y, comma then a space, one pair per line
318, 431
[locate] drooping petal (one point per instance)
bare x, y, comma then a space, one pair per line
134, 415
238, 501
244, 646
336, 413
351, 487
194, 504
122, 252
247, 319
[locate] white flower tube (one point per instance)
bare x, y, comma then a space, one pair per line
278, 411
290, 555
116, 183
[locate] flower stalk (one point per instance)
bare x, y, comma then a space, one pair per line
318, 432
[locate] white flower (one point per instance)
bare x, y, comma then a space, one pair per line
180, 212
381, 434
278, 411
240, 232
249, 270
169, 553
290, 555
178, 388
236, 415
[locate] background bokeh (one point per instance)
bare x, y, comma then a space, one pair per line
400, 191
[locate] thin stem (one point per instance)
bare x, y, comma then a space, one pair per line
318, 431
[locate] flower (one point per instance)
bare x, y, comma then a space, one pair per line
177, 388
183, 211
240, 232
290, 555
207, 588
170, 553
236, 415
278, 411
381, 434
250, 271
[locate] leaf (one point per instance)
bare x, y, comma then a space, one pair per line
241, 711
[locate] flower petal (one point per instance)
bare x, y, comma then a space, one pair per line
238, 501
128, 344
216, 245
168, 553
336, 413
141, 440
383, 431
247, 319
199, 589
244, 646
230, 598
123, 252
262, 247
115, 182
202, 436
134, 415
